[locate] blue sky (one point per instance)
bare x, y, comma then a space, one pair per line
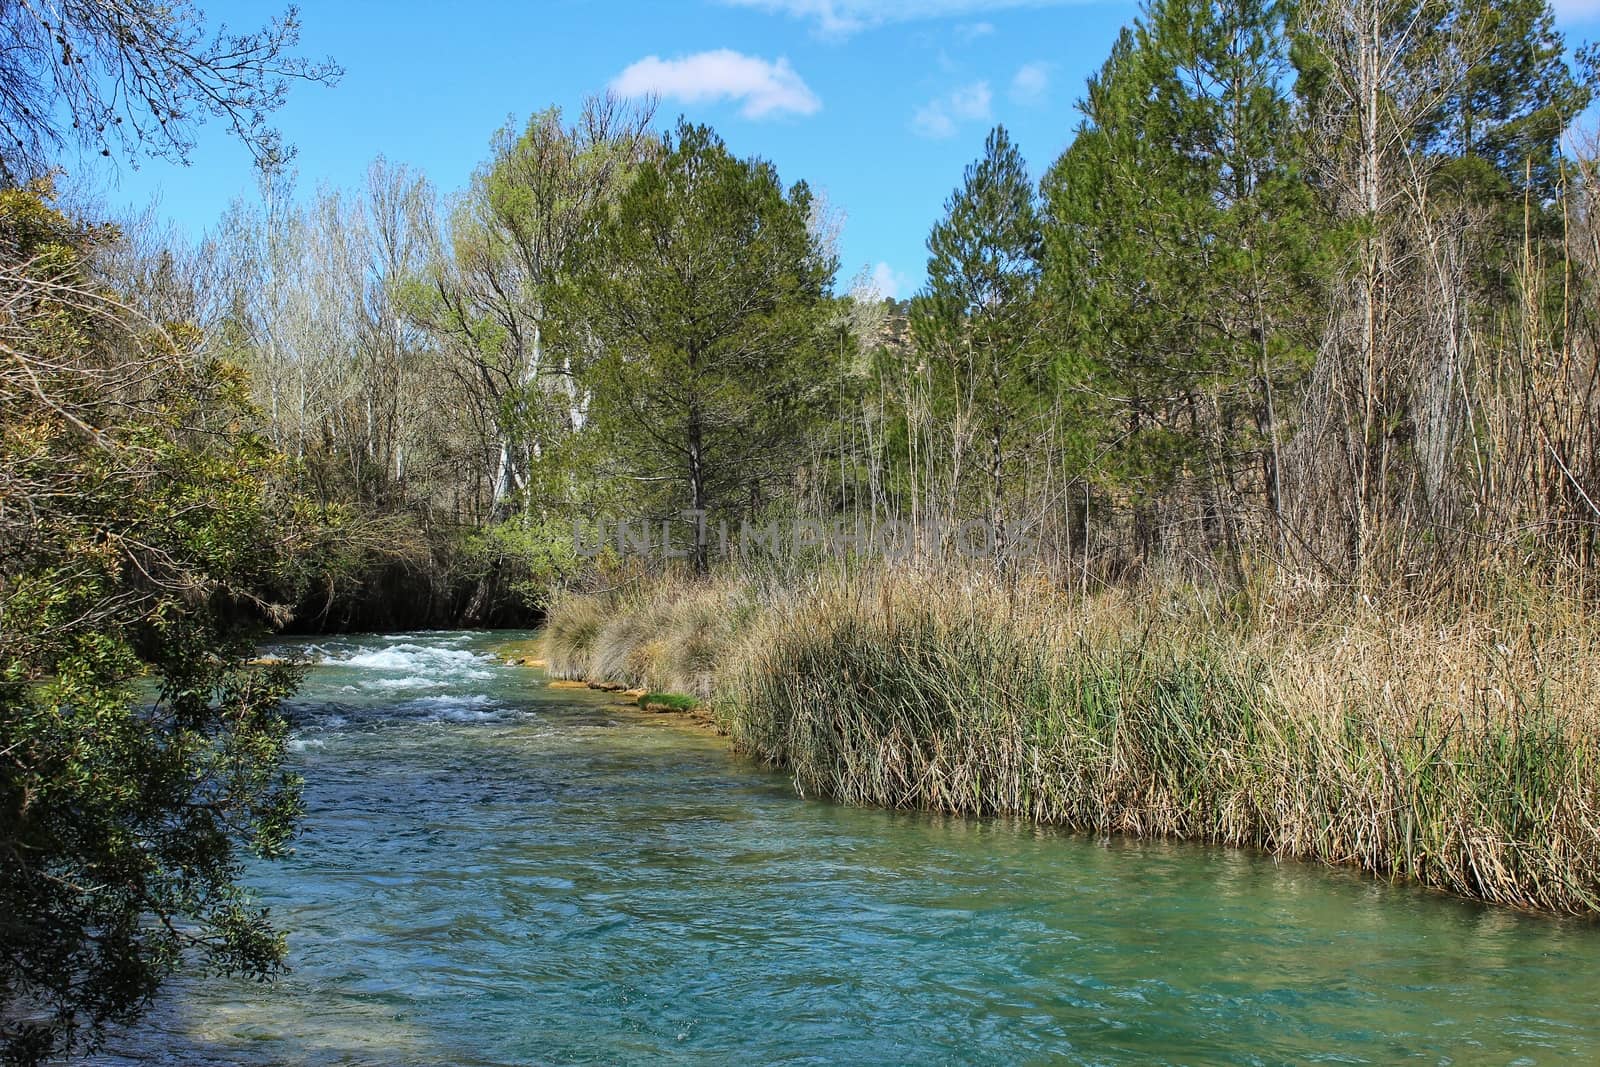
880, 103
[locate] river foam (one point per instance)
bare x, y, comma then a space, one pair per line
363, 683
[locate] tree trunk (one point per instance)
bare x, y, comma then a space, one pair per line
697, 487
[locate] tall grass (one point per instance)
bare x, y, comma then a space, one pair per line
1458, 753
668, 636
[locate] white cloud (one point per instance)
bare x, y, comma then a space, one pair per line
841, 18
888, 283
932, 122
765, 88
971, 31
940, 118
971, 101
1031, 82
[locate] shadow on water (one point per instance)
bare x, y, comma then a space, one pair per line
498, 872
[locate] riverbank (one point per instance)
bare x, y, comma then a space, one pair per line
1458, 752
682, 706
494, 871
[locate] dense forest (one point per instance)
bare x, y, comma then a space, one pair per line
1310, 291
1304, 316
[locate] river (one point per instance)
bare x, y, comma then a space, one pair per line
497, 872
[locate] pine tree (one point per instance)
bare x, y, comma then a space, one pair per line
976, 322
1182, 242
708, 298
1490, 83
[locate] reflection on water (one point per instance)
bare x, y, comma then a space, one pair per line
497, 872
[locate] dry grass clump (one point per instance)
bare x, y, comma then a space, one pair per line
670, 636
1460, 753
570, 632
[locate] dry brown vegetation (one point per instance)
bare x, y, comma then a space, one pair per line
1458, 752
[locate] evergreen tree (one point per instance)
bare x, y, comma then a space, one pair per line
976, 322
1182, 242
707, 296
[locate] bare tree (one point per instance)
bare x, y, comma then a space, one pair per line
511, 238
134, 76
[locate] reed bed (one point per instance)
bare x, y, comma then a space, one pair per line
668, 637
1460, 754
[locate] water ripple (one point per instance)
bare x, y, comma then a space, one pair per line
494, 872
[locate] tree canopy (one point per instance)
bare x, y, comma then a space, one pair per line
140, 757
706, 291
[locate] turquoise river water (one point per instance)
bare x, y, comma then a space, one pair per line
497, 872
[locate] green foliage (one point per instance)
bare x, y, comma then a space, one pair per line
1183, 247
978, 321
1475, 79
496, 302
529, 557
668, 702
140, 754
706, 291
